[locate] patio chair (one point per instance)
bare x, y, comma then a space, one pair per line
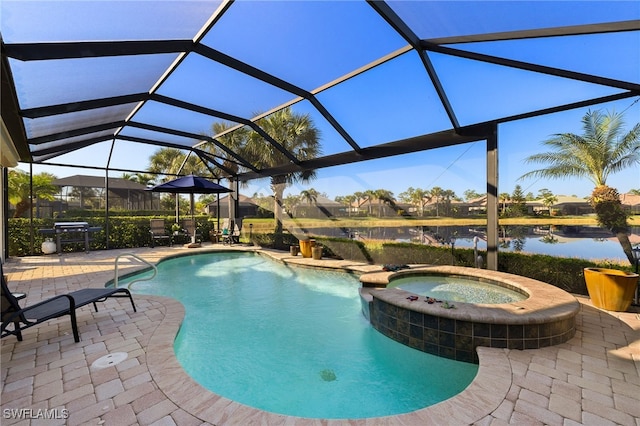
158, 231
189, 225
226, 236
237, 228
55, 307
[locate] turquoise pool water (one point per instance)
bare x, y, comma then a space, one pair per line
294, 341
457, 289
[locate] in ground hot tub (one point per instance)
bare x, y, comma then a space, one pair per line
458, 288
544, 316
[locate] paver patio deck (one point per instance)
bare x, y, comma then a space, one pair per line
592, 379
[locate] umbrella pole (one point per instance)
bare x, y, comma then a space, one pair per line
178, 208
193, 237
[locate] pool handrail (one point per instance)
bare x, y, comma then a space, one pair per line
115, 272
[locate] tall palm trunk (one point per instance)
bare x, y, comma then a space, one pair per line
278, 186
623, 238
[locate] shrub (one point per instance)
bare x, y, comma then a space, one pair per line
126, 232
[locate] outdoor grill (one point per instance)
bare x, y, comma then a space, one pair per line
71, 232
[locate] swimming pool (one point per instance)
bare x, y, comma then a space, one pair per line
293, 340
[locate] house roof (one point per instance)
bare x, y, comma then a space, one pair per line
84, 181
242, 199
135, 76
629, 199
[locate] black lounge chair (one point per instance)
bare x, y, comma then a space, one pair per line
55, 307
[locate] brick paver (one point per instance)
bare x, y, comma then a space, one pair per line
592, 379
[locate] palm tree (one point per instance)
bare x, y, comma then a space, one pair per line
602, 150
504, 197
309, 195
235, 141
297, 134
347, 200
548, 199
145, 179
19, 192
448, 195
471, 194
436, 193
360, 198
384, 197
289, 203
166, 161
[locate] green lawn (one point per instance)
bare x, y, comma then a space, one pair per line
266, 225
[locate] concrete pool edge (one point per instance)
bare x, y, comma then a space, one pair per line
483, 395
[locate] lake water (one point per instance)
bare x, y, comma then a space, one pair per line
582, 242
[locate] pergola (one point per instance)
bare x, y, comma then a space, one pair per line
139, 75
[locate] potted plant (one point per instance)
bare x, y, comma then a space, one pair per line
175, 228
610, 289
305, 246
316, 252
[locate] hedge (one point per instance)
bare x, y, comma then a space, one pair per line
128, 232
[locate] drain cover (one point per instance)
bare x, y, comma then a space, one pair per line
109, 360
328, 375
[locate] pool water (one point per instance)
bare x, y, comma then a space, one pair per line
456, 289
294, 341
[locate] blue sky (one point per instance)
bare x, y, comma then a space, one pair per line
394, 101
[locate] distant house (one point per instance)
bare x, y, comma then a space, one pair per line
82, 191
321, 208
472, 207
246, 207
565, 206
631, 202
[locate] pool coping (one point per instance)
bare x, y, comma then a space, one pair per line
483, 395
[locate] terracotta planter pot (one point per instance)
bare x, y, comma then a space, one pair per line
293, 250
305, 247
316, 252
610, 289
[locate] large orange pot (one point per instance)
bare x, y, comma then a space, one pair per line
610, 289
305, 247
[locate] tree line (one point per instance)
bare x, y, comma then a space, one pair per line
603, 149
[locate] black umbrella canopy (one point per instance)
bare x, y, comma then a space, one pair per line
190, 185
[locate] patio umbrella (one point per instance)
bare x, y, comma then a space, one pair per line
189, 185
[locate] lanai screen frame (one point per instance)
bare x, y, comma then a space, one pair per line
81, 135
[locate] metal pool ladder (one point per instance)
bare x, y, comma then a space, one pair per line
152, 266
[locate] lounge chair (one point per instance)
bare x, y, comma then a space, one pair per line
55, 307
159, 231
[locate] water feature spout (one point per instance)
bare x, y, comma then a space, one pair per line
475, 249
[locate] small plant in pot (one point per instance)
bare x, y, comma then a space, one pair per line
316, 251
175, 228
611, 289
